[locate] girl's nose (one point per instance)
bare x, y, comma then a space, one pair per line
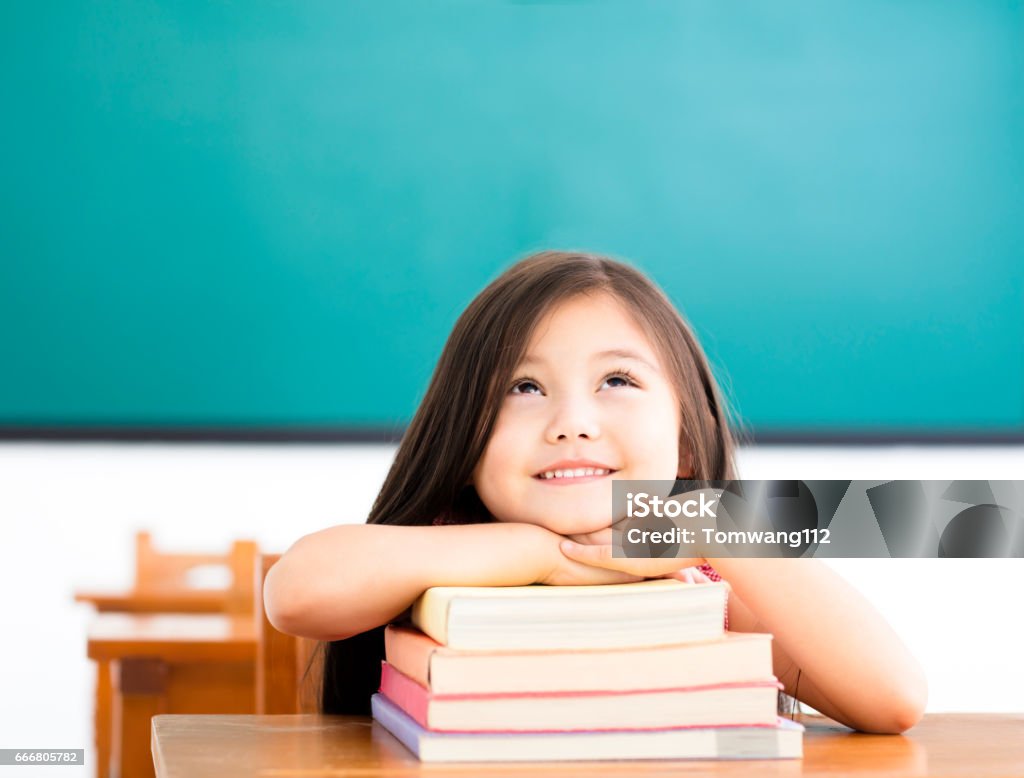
573, 419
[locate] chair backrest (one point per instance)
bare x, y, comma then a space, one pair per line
288, 668
156, 572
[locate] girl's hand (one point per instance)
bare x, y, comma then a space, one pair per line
569, 573
594, 554
556, 569
599, 537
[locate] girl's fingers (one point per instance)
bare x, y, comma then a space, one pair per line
599, 556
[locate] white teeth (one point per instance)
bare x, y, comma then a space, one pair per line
579, 472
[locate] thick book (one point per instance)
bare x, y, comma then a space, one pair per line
645, 613
783, 740
719, 705
736, 657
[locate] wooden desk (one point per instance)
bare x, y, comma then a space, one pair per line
186, 601
148, 665
309, 746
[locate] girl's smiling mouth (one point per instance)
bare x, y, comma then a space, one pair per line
573, 472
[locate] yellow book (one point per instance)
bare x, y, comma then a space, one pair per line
647, 613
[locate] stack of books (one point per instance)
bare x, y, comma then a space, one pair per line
538, 673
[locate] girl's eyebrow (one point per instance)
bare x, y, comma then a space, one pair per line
619, 353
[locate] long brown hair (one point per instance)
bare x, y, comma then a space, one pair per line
447, 436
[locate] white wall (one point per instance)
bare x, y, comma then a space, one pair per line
960, 617
68, 513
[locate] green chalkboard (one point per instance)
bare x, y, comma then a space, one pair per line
268, 215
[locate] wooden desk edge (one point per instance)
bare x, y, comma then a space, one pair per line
185, 651
197, 601
159, 764
177, 638
166, 726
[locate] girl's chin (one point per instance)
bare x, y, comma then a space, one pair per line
579, 527
591, 519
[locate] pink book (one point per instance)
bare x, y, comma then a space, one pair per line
719, 705
734, 658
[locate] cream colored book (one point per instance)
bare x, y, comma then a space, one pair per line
646, 613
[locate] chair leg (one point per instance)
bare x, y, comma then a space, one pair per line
140, 695
102, 718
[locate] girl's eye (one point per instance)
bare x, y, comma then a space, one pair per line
526, 385
622, 375
526, 382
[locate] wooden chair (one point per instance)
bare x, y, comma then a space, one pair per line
162, 586
162, 582
286, 680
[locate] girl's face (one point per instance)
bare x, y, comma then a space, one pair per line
589, 394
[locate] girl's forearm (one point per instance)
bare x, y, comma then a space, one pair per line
347, 579
835, 636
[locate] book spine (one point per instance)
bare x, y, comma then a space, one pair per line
430, 613
409, 652
406, 694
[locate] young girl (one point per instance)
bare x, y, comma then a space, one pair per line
567, 372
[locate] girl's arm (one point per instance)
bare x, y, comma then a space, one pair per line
852, 665
345, 580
